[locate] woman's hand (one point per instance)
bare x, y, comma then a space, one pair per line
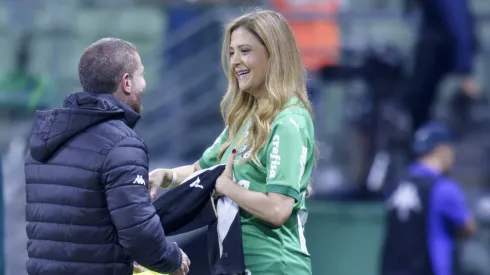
226, 178
272, 208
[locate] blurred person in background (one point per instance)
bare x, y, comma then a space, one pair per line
21, 81
202, 46
427, 210
270, 129
317, 32
446, 45
88, 207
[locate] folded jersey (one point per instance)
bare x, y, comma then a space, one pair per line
191, 206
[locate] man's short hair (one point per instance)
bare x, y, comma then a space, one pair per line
103, 64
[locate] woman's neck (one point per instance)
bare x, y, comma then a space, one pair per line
259, 93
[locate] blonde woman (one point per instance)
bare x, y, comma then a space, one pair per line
270, 135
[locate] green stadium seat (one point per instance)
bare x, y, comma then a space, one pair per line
90, 24
140, 23
8, 52
41, 54
4, 19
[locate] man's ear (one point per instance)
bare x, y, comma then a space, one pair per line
126, 83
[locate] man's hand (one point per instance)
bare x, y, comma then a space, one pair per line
159, 178
138, 268
470, 86
184, 266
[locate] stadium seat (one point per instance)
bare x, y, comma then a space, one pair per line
41, 54
90, 24
3, 17
6, 58
394, 31
140, 23
481, 6
484, 33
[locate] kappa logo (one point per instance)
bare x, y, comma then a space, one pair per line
197, 184
139, 180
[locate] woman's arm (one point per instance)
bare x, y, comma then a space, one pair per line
182, 172
164, 177
272, 208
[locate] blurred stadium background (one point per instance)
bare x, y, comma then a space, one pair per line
180, 41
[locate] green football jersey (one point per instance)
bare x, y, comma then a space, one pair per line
287, 163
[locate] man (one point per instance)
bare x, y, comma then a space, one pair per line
446, 45
426, 211
88, 207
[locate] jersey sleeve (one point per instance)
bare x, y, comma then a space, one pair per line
286, 157
452, 205
210, 156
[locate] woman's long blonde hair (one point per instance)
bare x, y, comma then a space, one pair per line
286, 77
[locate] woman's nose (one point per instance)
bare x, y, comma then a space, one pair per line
235, 59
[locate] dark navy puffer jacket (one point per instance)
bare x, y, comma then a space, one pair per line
88, 209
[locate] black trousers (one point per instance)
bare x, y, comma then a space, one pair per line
433, 61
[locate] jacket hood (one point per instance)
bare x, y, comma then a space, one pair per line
80, 111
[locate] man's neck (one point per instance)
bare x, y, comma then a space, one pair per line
433, 164
119, 96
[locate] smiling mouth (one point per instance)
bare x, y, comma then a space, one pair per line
242, 74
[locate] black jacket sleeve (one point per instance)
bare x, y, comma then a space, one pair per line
125, 174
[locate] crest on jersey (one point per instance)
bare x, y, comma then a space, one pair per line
405, 200
241, 151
